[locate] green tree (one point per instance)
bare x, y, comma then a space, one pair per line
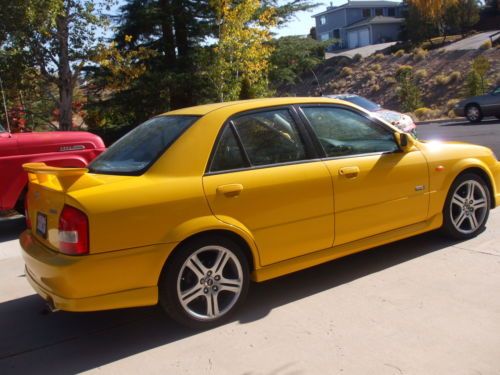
292, 57
481, 65
461, 16
409, 93
58, 37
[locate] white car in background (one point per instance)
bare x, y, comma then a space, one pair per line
400, 120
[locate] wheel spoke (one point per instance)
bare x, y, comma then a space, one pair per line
196, 266
191, 294
230, 285
458, 200
473, 221
221, 261
470, 190
460, 219
212, 306
480, 203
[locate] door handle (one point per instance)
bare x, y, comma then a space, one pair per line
349, 171
230, 190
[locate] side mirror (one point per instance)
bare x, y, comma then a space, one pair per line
404, 141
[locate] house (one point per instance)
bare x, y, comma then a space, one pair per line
360, 23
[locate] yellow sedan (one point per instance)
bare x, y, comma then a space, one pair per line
190, 206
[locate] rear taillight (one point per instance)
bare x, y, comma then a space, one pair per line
73, 231
26, 212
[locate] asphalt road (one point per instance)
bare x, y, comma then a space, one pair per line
486, 133
424, 305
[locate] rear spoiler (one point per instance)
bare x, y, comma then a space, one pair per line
57, 178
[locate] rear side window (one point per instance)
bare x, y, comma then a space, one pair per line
270, 137
135, 152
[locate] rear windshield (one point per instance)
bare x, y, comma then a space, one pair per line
136, 151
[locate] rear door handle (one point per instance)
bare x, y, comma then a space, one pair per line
230, 190
349, 171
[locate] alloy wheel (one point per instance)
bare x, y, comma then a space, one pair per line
469, 206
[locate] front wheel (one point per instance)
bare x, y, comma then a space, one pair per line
205, 282
467, 207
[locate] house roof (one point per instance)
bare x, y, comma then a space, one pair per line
360, 4
377, 20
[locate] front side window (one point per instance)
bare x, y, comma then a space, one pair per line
343, 132
140, 148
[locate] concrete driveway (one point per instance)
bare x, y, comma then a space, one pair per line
473, 42
424, 305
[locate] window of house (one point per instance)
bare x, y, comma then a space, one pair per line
322, 20
391, 12
379, 11
336, 34
367, 12
324, 36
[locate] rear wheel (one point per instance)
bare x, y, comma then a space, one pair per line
467, 207
473, 113
205, 282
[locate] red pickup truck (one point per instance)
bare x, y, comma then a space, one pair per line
59, 149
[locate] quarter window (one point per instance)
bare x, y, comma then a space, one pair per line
343, 132
270, 137
228, 154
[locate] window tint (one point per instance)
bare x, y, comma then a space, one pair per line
138, 149
343, 132
228, 154
270, 137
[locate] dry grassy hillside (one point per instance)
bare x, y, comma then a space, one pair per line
440, 76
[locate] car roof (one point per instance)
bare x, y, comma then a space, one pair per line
255, 104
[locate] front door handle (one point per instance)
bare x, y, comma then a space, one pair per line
230, 190
349, 171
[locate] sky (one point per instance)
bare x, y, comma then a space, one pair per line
303, 22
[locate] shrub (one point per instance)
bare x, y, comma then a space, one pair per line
379, 56
346, 71
419, 54
399, 53
486, 45
451, 113
376, 67
473, 84
421, 74
425, 113
455, 76
390, 80
371, 74
375, 87
442, 80
408, 93
403, 69
451, 103
357, 57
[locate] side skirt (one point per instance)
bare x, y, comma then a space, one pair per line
335, 252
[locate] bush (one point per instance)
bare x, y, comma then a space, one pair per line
455, 76
375, 87
390, 80
403, 69
451, 113
399, 53
357, 57
419, 54
371, 74
486, 45
442, 80
379, 56
451, 103
473, 84
421, 74
408, 92
425, 113
376, 67
346, 71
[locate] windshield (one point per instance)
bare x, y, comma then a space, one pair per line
139, 149
362, 102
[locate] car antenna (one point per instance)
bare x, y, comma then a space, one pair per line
5, 107
317, 82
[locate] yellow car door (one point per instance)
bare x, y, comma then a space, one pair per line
264, 177
377, 187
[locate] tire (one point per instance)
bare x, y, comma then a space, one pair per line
461, 218
204, 282
473, 113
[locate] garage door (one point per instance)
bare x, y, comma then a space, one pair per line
352, 39
364, 37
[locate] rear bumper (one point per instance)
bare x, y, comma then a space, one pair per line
118, 279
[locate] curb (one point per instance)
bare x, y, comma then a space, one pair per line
439, 121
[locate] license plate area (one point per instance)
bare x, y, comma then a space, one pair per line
41, 224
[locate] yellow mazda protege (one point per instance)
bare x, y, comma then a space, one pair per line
188, 207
